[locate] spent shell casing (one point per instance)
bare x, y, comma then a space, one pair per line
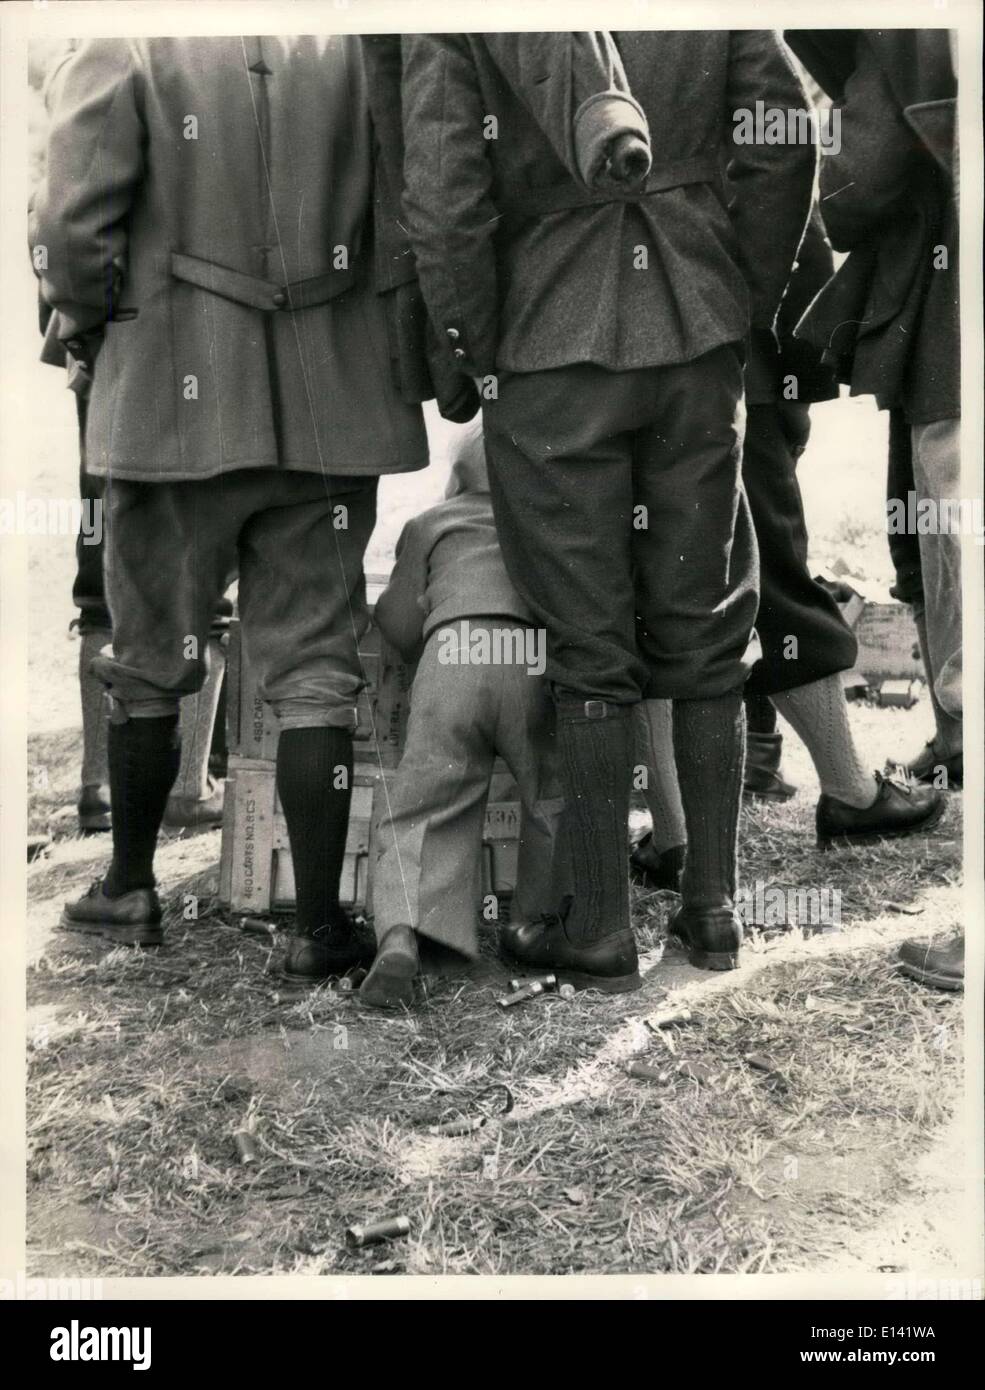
548, 981
467, 1124
645, 1072
520, 996
246, 1146
666, 1018
760, 1062
375, 1231
258, 926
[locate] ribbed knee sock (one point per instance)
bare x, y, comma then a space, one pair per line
311, 765
709, 744
655, 749
143, 757
594, 757
819, 716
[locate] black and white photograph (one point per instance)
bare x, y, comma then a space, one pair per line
491, 520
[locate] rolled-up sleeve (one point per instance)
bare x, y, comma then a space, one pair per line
575, 87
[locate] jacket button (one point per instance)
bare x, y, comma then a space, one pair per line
453, 334
459, 352
280, 299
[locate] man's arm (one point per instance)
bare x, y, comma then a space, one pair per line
94, 162
401, 608
870, 179
575, 87
771, 184
447, 177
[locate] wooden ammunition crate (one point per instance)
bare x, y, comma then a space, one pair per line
256, 874
887, 643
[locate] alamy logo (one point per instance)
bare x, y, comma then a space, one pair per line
463, 645
774, 125
75, 1343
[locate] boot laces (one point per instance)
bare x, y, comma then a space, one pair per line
896, 777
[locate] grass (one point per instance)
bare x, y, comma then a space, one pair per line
142, 1066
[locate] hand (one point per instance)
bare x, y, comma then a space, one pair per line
629, 160
795, 422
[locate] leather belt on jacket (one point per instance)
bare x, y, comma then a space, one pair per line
559, 197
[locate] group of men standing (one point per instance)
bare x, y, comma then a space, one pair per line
268, 252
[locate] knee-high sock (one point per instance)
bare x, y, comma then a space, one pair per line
709, 744
143, 763
594, 763
819, 716
655, 750
95, 723
197, 721
948, 731
314, 782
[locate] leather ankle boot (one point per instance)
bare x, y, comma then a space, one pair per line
764, 778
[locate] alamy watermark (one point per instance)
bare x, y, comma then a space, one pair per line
769, 905
463, 645
23, 1288
914, 515
776, 125
22, 515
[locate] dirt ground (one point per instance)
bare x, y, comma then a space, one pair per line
142, 1066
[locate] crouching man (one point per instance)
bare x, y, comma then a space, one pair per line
204, 230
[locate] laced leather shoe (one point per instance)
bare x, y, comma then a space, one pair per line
610, 964
926, 767
899, 809
132, 919
656, 869
331, 949
712, 935
940, 965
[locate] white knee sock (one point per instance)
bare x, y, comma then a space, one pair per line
819, 715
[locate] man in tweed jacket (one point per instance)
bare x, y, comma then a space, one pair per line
204, 232
607, 332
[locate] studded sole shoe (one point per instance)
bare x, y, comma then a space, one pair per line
390, 982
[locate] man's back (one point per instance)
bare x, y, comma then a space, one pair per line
220, 184
622, 284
